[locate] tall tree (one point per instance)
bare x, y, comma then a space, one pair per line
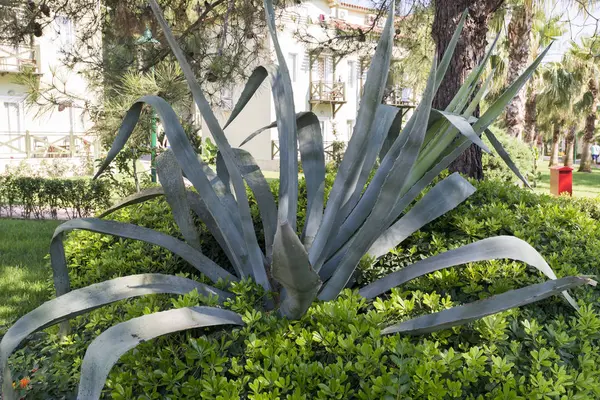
469, 52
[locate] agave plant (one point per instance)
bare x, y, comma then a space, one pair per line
359, 223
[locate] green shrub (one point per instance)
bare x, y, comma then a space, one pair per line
336, 350
40, 196
522, 155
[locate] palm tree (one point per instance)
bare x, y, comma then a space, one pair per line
554, 107
519, 52
544, 32
585, 60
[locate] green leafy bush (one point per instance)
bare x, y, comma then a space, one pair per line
41, 196
336, 350
522, 155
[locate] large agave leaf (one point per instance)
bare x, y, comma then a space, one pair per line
392, 134
136, 198
86, 299
312, 155
264, 197
193, 169
409, 145
171, 179
254, 254
463, 314
107, 348
498, 247
385, 126
283, 98
444, 197
292, 269
462, 125
352, 164
505, 156
129, 231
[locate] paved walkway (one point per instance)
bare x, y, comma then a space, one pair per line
18, 212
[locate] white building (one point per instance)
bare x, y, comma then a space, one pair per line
25, 131
325, 82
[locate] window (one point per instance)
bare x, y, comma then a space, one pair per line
351, 73
65, 32
10, 127
293, 66
322, 123
227, 98
350, 125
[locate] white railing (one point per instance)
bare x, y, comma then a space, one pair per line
18, 58
47, 145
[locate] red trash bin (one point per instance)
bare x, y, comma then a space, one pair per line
561, 180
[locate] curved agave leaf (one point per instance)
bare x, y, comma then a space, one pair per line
292, 269
136, 198
444, 196
264, 197
395, 180
462, 125
498, 247
283, 98
392, 134
463, 314
86, 299
253, 261
107, 348
255, 80
312, 154
129, 231
192, 168
505, 156
352, 164
171, 180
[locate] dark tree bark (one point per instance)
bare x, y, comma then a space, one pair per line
469, 52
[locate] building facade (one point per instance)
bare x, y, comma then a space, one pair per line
28, 132
325, 81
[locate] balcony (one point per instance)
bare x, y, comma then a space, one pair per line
398, 97
18, 59
322, 92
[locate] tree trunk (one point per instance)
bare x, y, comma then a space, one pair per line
569, 141
519, 32
469, 52
531, 129
555, 143
590, 128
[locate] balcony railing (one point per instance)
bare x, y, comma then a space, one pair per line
47, 145
397, 97
17, 59
321, 91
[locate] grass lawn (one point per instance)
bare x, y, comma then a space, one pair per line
23, 271
584, 184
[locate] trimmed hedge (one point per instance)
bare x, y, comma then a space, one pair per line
542, 351
46, 196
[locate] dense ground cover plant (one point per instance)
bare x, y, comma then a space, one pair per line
296, 266
46, 196
336, 349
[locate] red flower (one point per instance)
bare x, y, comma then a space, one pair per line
24, 382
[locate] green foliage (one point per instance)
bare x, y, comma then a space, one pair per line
522, 155
40, 196
209, 152
335, 350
